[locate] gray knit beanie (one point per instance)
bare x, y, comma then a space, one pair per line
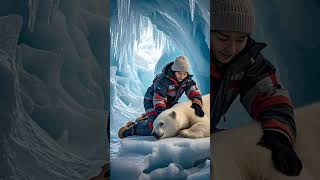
232, 15
180, 64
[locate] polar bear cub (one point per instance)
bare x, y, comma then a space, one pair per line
181, 120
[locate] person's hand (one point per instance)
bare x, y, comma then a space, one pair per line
198, 109
284, 157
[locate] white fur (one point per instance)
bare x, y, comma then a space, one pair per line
235, 155
181, 120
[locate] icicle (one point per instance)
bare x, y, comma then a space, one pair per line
123, 19
194, 29
192, 6
123, 10
53, 6
50, 10
33, 8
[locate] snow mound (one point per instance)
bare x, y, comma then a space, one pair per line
173, 158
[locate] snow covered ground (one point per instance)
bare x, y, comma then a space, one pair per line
146, 158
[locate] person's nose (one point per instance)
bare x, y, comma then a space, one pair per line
231, 48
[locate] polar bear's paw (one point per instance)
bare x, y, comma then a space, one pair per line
195, 131
186, 134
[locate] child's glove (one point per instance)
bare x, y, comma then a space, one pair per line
198, 109
284, 157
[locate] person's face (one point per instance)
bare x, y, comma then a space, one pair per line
180, 75
226, 44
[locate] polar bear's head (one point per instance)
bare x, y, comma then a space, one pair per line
166, 125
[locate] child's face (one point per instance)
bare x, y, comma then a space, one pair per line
226, 44
180, 75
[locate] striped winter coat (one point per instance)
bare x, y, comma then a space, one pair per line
253, 77
166, 91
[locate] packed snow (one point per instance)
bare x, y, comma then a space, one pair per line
173, 158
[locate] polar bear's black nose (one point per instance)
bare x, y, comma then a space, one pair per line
156, 135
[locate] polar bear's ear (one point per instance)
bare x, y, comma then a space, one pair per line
173, 114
